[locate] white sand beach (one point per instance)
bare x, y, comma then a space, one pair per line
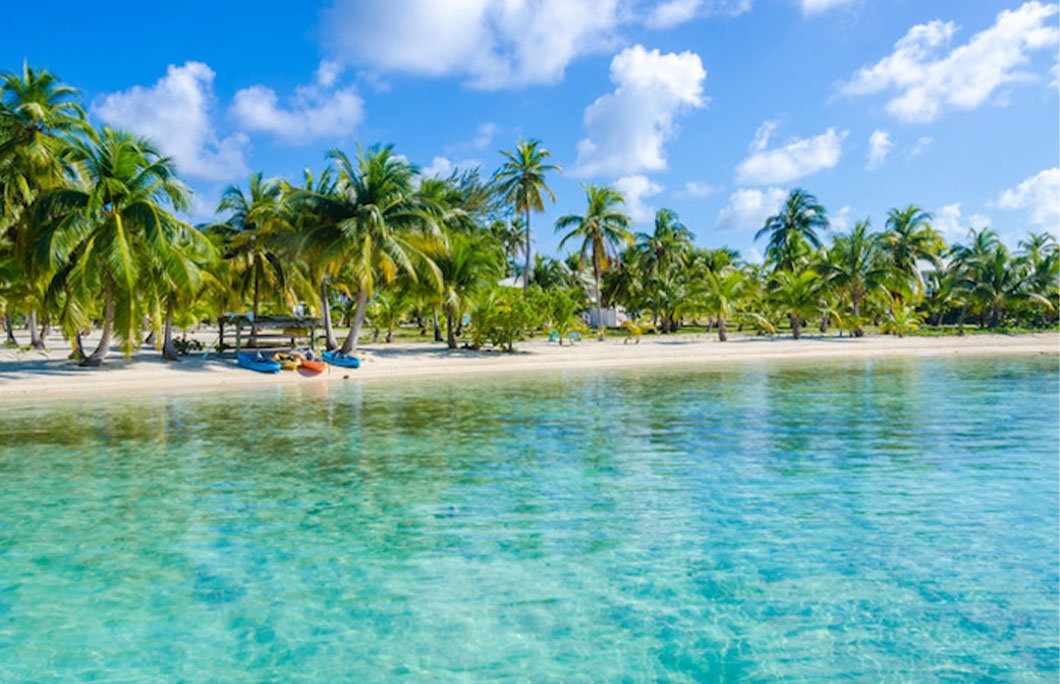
33, 374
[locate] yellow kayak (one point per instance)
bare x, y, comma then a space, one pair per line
287, 361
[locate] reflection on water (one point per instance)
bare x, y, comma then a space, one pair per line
870, 521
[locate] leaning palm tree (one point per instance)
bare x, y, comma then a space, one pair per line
520, 182
793, 229
908, 240
719, 295
114, 226
374, 222
39, 117
601, 229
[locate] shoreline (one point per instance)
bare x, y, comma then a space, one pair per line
35, 376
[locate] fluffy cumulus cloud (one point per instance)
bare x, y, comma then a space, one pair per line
1039, 196
879, 147
949, 222
491, 43
636, 189
798, 158
443, 167
748, 208
316, 110
840, 220
176, 113
628, 127
929, 80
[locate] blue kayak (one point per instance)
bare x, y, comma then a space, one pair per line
257, 362
337, 358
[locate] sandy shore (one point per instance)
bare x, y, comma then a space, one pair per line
37, 374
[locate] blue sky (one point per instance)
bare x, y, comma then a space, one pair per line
715, 108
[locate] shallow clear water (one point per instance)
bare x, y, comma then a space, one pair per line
864, 521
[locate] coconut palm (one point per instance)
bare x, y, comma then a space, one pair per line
601, 229
853, 266
376, 224
39, 117
114, 227
520, 182
909, 239
797, 295
793, 229
254, 231
719, 295
668, 246
468, 267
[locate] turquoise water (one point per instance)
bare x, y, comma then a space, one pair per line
867, 521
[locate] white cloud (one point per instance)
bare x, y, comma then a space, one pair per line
921, 146
316, 110
815, 6
748, 208
636, 189
1039, 195
763, 134
484, 135
800, 157
879, 147
628, 127
443, 167
952, 226
673, 12
840, 220
696, 189
175, 113
491, 43
929, 83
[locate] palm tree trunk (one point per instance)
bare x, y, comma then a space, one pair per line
450, 329
722, 335
960, 319
349, 346
257, 302
330, 343
97, 356
79, 347
599, 301
437, 328
34, 335
796, 327
858, 331
9, 325
45, 329
169, 352
526, 273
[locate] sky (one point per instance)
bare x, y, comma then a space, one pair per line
713, 108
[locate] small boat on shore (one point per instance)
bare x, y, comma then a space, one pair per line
309, 363
257, 362
288, 360
337, 358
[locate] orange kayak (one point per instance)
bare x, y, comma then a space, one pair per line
313, 366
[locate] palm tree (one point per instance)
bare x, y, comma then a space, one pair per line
114, 226
520, 182
719, 295
852, 266
603, 226
468, 266
39, 117
796, 294
668, 246
375, 223
909, 239
254, 229
793, 229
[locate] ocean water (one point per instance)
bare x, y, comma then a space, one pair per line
869, 521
